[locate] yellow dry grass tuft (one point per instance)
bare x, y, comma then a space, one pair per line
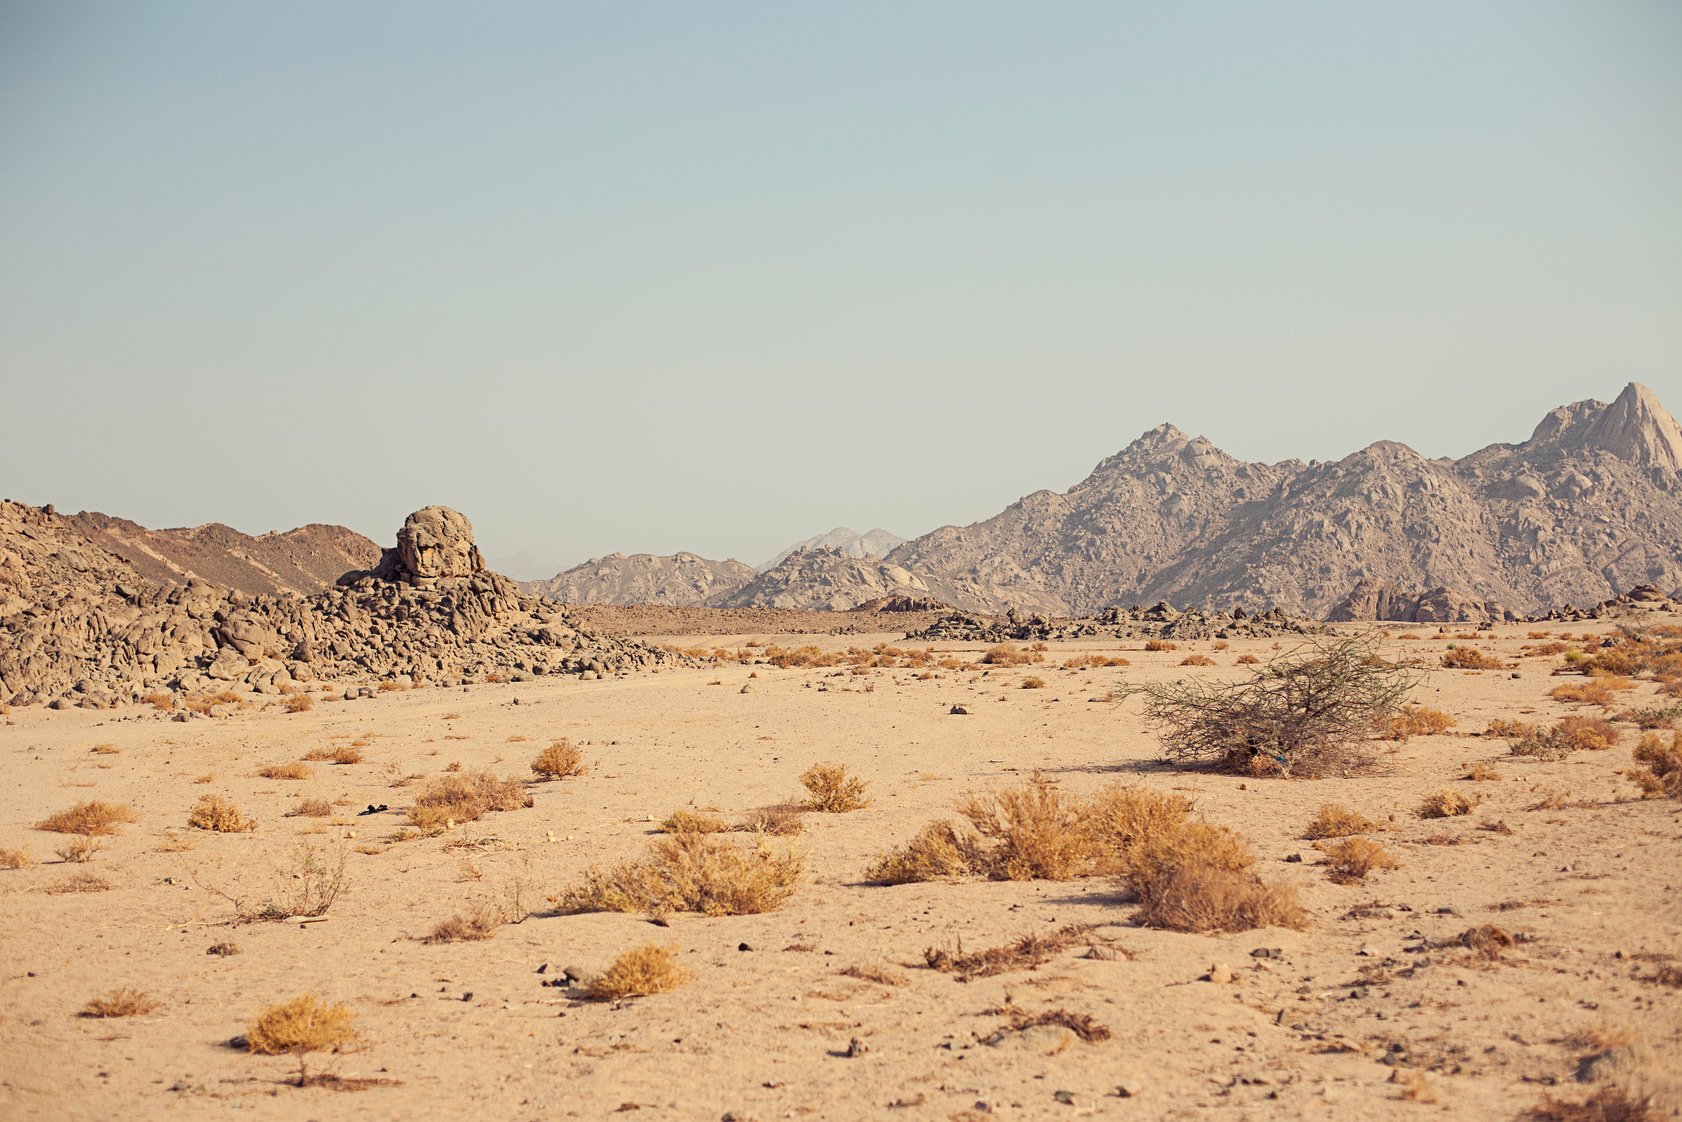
213, 812
301, 1026
1032, 683
340, 754
121, 1002
90, 818
1004, 654
1161, 645
1418, 720
18, 858
293, 770
1337, 821
1446, 803
561, 760
701, 873
832, 790
1658, 770
779, 820
1205, 899
693, 822
1197, 660
1571, 734
639, 972
1471, 658
465, 797
299, 703
1350, 860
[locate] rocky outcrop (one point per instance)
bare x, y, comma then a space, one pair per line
80, 626
680, 580
1590, 504
1160, 621
1376, 600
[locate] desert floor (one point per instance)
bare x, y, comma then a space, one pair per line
1372, 1012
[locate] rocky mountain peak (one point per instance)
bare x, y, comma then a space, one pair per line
1638, 429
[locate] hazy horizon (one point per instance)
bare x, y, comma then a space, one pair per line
659, 277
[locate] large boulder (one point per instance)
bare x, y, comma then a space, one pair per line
435, 542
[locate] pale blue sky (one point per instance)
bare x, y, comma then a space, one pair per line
720, 276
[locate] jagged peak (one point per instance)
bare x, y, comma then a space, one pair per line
1636, 428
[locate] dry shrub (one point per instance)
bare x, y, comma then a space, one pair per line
1471, 658
1337, 821
299, 1027
300, 703
1031, 832
93, 819
561, 760
1161, 645
877, 973
1658, 770
1185, 871
1032, 683
1571, 734
478, 924
939, 851
639, 972
1205, 899
121, 1002
106, 750
832, 790
340, 754
1446, 803
1418, 720
693, 822
1245, 660
1487, 940
312, 808
19, 858
1508, 729
1222, 645
465, 797
1307, 713
1197, 660
81, 882
160, 700
1019, 1020
1609, 1104
213, 812
1024, 953
293, 770
1006, 655
692, 873
1599, 690
395, 685
1481, 772
780, 820
80, 851
1350, 860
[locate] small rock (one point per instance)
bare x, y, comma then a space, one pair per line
1220, 974
1130, 1087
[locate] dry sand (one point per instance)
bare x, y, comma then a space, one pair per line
1349, 1019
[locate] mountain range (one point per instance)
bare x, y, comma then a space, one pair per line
1589, 506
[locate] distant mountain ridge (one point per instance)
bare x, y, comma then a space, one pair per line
302, 561
1589, 506
679, 579
875, 543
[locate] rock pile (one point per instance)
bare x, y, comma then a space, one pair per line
1378, 600
78, 626
1161, 621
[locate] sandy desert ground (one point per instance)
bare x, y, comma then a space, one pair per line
1374, 1011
